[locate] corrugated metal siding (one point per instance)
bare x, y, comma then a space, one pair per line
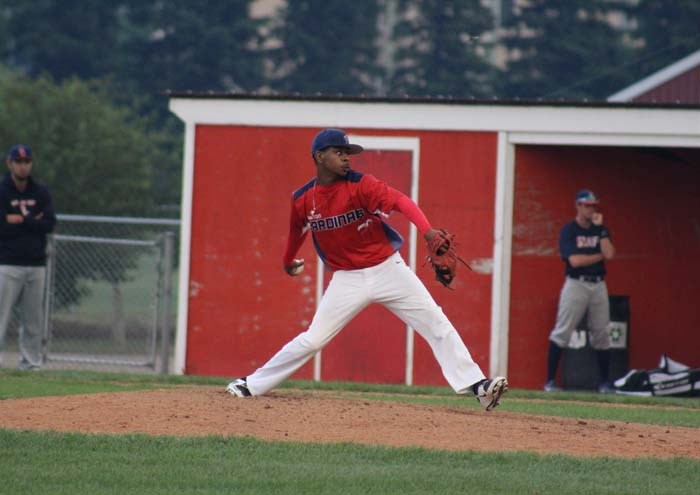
683, 89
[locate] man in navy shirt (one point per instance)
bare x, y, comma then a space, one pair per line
585, 245
26, 216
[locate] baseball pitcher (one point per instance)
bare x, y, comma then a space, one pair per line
344, 211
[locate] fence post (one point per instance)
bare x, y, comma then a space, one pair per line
48, 296
168, 252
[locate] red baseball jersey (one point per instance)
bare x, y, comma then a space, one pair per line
346, 221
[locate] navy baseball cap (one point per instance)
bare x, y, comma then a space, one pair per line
20, 151
336, 138
587, 197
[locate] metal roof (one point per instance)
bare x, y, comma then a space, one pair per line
445, 100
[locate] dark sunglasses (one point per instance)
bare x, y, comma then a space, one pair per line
22, 160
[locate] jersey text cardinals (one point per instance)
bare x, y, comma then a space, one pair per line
346, 220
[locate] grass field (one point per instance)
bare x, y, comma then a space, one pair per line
48, 462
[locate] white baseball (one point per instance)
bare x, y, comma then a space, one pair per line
297, 269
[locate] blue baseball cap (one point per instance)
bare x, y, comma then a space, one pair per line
20, 151
587, 197
336, 138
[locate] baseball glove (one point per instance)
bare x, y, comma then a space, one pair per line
443, 257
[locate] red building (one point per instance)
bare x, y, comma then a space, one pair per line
677, 83
501, 176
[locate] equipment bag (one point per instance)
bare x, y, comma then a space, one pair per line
671, 378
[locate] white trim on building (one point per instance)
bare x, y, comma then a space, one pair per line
185, 240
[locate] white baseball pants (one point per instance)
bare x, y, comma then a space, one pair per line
394, 285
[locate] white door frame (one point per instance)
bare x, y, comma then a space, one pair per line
384, 143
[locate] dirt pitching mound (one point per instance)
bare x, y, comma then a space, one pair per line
327, 417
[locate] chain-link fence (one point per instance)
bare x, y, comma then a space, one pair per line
109, 295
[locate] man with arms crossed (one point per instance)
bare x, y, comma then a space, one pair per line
26, 216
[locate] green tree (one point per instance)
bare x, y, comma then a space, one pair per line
565, 49
438, 49
119, 44
667, 30
65, 38
325, 47
184, 45
4, 34
144, 47
97, 158
147, 46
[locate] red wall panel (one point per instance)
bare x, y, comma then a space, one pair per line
243, 308
684, 88
457, 190
651, 204
372, 347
